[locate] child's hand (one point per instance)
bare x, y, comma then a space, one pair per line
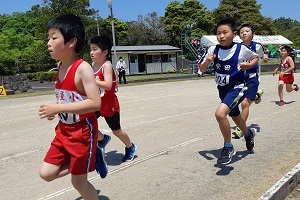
210, 57
281, 74
265, 58
244, 65
50, 118
48, 110
274, 72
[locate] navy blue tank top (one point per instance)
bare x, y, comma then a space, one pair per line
255, 67
227, 72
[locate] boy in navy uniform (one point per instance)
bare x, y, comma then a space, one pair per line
251, 75
229, 66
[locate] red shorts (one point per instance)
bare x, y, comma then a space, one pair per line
75, 144
109, 105
287, 78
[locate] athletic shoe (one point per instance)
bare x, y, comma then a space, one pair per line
297, 87
258, 94
250, 139
226, 155
104, 142
101, 165
237, 133
281, 103
129, 153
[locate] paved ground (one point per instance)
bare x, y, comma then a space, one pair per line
178, 140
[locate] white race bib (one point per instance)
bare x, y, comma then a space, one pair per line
222, 79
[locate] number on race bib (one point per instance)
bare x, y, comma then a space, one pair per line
68, 117
222, 79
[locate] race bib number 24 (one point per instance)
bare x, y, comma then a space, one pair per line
222, 79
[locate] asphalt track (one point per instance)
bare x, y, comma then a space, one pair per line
178, 141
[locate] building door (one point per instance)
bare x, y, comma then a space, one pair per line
137, 64
142, 63
134, 67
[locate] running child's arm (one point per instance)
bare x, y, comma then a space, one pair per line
290, 69
248, 65
206, 59
205, 64
275, 70
108, 72
261, 53
266, 58
248, 57
85, 83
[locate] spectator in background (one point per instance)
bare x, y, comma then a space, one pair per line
121, 67
194, 42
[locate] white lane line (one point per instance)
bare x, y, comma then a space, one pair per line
28, 129
169, 117
23, 153
130, 164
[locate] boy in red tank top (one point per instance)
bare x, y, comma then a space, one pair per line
106, 80
73, 148
286, 76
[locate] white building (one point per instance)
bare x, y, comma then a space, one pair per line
148, 59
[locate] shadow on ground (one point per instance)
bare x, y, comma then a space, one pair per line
100, 197
224, 169
286, 102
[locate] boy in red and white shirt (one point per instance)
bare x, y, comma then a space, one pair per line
106, 80
77, 98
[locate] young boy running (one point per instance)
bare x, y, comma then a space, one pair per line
229, 66
286, 76
73, 148
106, 80
251, 75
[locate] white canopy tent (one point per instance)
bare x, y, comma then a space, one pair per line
209, 40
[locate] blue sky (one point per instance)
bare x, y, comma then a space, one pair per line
127, 10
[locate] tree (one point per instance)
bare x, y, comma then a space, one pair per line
190, 15
244, 11
288, 28
148, 30
51, 9
17, 42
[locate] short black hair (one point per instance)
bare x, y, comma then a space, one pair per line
248, 26
231, 23
120, 57
104, 43
70, 26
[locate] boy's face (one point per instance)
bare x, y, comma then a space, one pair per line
56, 46
97, 55
246, 34
225, 35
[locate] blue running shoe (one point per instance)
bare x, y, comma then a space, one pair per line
129, 153
101, 165
104, 142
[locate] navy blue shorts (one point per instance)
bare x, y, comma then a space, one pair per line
252, 83
229, 96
